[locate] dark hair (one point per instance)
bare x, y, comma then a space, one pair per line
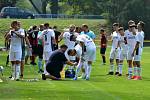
55, 27
46, 24
14, 22
142, 24
70, 50
63, 46
102, 30
34, 27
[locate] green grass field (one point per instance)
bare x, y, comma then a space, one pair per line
99, 87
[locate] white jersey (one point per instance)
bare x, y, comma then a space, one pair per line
123, 45
86, 39
140, 39
47, 39
78, 49
16, 41
115, 39
90, 53
67, 41
131, 40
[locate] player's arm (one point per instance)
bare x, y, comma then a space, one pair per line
136, 47
71, 63
7, 36
60, 37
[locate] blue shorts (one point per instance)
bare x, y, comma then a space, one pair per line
102, 50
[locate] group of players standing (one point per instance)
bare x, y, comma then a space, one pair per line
127, 44
42, 41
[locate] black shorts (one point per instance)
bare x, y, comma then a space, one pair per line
34, 50
102, 50
40, 51
23, 53
54, 70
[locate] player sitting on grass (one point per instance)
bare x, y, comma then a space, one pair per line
138, 51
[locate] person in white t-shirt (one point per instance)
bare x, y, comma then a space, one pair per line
16, 34
137, 52
123, 49
114, 53
131, 42
48, 37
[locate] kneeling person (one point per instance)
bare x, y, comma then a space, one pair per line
56, 63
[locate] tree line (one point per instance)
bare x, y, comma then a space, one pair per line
113, 10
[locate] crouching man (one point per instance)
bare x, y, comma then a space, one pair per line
56, 63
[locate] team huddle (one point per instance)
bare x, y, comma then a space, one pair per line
78, 50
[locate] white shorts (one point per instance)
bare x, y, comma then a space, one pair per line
114, 54
129, 55
15, 56
28, 52
90, 54
137, 58
122, 56
46, 55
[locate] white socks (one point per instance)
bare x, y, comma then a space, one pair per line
120, 68
16, 71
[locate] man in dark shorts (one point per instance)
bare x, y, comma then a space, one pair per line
103, 45
56, 63
57, 34
40, 49
34, 42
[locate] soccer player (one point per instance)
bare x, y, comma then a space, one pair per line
85, 30
34, 43
40, 49
57, 34
89, 54
131, 42
103, 45
123, 49
56, 63
48, 37
137, 52
16, 35
24, 41
114, 53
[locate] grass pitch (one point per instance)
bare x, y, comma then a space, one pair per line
99, 87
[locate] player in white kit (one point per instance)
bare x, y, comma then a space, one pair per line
123, 49
67, 36
16, 34
137, 53
131, 42
48, 37
114, 53
88, 54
